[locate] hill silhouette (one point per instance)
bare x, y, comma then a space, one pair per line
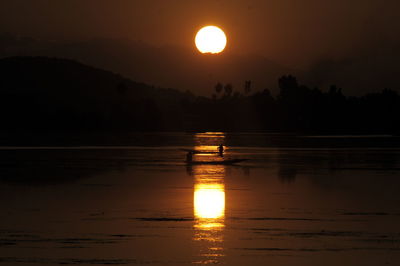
42, 94
49, 93
186, 69
166, 66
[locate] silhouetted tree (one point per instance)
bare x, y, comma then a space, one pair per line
247, 87
333, 90
218, 88
228, 88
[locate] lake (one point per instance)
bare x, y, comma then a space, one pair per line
297, 200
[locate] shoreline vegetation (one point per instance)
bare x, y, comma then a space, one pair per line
41, 94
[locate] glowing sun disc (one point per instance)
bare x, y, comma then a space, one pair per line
210, 39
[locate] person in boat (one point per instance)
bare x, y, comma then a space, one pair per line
189, 157
221, 150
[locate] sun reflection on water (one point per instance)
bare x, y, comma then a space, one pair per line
209, 203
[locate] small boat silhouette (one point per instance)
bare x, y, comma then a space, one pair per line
200, 152
224, 162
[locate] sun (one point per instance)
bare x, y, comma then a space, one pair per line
210, 39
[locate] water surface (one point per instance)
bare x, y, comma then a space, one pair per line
323, 201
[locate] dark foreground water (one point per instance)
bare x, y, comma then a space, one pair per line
324, 201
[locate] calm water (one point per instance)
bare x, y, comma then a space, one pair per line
325, 201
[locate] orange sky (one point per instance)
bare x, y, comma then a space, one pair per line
294, 33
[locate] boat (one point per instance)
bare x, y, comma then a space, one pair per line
224, 162
200, 152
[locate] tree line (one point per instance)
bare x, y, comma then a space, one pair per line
47, 93
297, 108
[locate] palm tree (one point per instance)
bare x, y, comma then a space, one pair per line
218, 88
228, 89
247, 86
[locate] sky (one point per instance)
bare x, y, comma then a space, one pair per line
292, 32
353, 44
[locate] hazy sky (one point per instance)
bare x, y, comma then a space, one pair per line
295, 33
